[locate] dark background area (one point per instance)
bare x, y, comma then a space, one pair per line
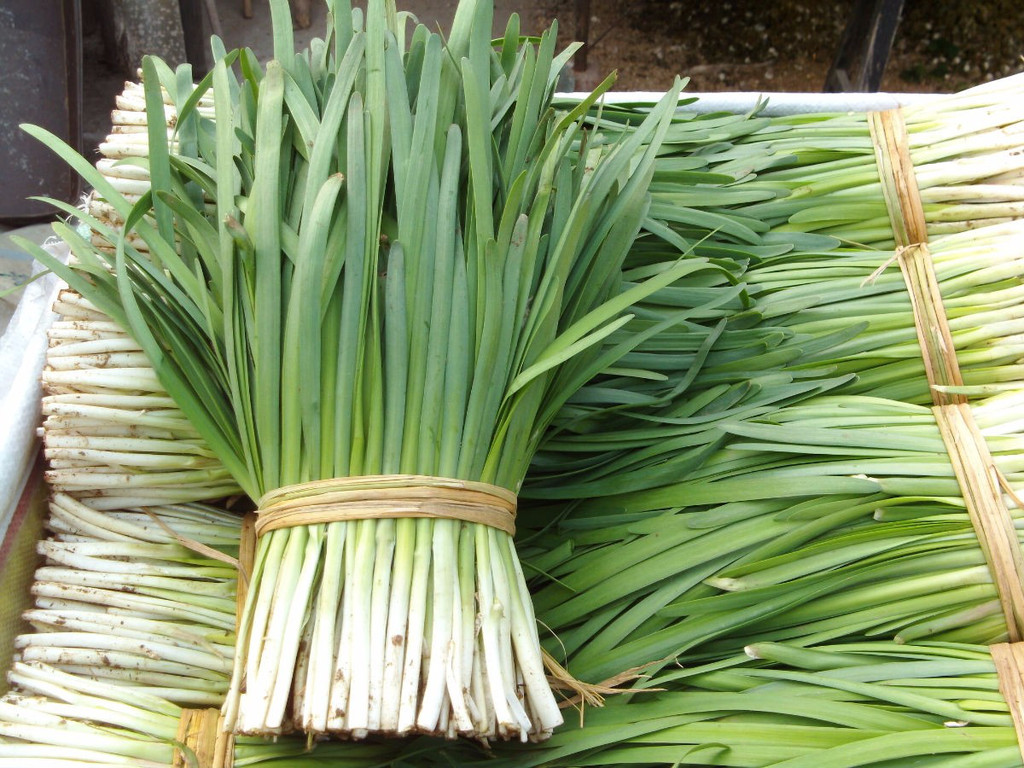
721, 45
788, 45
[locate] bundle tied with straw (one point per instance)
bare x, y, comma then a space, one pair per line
128, 627
965, 149
409, 264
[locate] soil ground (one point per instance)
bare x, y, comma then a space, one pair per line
721, 45
788, 45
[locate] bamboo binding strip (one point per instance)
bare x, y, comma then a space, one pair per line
1009, 661
386, 496
201, 741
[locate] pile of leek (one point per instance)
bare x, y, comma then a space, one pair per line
752, 455
129, 626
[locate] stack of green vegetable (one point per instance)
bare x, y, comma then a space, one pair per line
120, 597
129, 626
777, 476
838, 517
816, 173
764, 186
870, 704
516, 226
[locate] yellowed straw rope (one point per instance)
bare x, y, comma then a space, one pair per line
980, 485
201, 742
193, 545
906, 214
210, 727
386, 496
1009, 661
933, 334
224, 752
896, 171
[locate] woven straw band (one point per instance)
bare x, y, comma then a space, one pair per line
386, 496
896, 171
246, 562
972, 462
933, 333
979, 482
910, 231
202, 742
1009, 661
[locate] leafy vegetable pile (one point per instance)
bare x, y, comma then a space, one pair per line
681, 340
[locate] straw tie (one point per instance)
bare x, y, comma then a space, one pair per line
201, 741
386, 496
1009, 661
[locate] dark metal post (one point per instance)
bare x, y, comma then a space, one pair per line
582, 33
864, 49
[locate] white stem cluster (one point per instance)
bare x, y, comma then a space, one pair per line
57, 719
392, 627
120, 599
128, 135
111, 433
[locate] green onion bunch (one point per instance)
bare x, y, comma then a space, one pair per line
836, 519
57, 719
411, 264
852, 706
124, 158
128, 626
769, 199
964, 148
836, 516
979, 276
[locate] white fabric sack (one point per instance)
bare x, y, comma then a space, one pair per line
22, 355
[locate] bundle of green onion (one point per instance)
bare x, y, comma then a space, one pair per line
768, 200
840, 318
129, 626
821, 169
850, 706
837, 516
411, 265
979, 274
59, 720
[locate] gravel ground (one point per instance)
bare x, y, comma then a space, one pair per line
788, 45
